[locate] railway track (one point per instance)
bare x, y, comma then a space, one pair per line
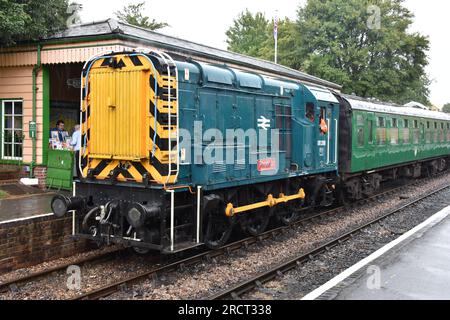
17, 282
257, 281
226, 250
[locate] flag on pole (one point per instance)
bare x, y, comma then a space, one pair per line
275, 28
275, 35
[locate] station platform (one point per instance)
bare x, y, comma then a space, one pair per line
416, 266
23, 202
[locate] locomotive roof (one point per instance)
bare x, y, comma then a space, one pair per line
322, 94
175, 45
358, 103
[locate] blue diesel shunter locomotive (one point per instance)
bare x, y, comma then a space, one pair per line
177, 154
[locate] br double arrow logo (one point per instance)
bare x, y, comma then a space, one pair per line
263, 123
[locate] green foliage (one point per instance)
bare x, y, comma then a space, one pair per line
132, 14
338, 41
248, 34
287, 40
446, 108
31, 19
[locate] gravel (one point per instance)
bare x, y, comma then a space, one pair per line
203, 279
300, 281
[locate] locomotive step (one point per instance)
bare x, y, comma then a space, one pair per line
182, 246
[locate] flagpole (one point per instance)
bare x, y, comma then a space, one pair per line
275, 35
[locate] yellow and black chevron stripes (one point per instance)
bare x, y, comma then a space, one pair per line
161, 107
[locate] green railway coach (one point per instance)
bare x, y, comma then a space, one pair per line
379, 142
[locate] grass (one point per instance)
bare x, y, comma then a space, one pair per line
3, 194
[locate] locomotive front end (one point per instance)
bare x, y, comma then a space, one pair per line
129, 155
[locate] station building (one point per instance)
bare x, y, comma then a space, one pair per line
40, 83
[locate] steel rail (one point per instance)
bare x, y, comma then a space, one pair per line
226, 250
5, 286
249, 285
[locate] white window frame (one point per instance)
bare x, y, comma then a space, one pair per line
3, 157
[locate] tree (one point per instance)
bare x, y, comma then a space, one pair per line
25, 20
248, 34
287, 40
341, 41
446, 108
132, 14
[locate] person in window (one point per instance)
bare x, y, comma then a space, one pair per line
310, 114
75, 143
323, 126
59, 129
323, 122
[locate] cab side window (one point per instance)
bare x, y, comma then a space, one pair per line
309, 112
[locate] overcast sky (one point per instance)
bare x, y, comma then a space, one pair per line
205, 21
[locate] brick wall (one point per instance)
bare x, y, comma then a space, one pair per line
30, 242
11, 172
41, 174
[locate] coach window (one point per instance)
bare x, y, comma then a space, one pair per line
360, 130
370, 129
448, 131
416, 132
11, 129
435, 133
394, 132
381, 131
428, 133
405, 132
394, 123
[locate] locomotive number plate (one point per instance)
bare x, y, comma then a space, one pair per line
267, 165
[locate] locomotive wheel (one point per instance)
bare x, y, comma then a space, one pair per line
324, 197
141, 251
257, 221
218, 227
287, 215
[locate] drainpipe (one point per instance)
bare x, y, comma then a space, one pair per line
36, 69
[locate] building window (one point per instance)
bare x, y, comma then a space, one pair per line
12, 135
394, 123
381, 122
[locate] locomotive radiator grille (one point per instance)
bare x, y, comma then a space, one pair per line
129, 119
